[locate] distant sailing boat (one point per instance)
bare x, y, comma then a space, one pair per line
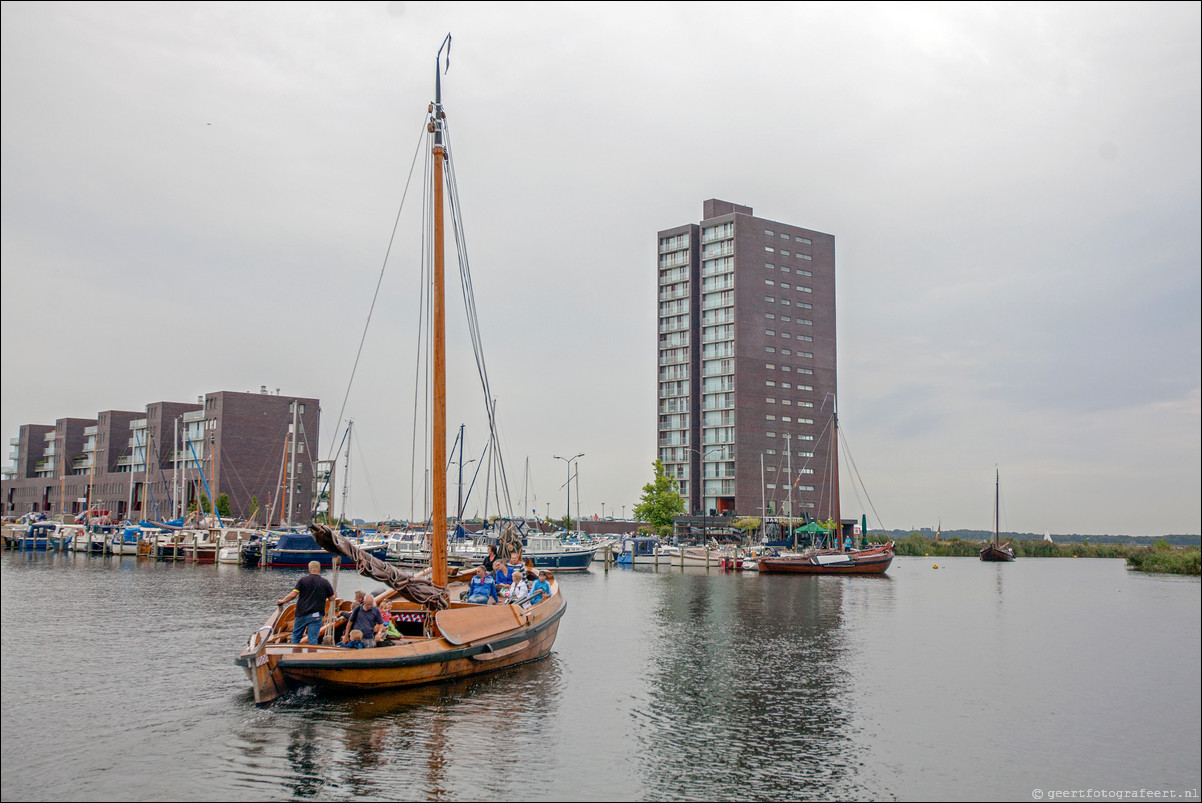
993, 551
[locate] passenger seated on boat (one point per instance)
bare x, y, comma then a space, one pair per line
356, 642
367, 620
541, 589
483, 589
490, 561
390, 629
519, 588
504, 576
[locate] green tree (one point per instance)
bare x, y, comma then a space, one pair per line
746, 524
223, 504
661, 500
205, 504
254, 507
567, 523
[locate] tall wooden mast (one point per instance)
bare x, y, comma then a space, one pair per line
438, 467
997, 499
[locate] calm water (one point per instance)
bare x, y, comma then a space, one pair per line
974, 681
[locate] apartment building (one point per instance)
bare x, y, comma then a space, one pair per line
746, 368
156, 463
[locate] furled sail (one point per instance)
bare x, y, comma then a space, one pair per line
423, 592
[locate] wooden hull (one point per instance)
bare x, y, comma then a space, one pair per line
406, 665
473, 640
997, 554
869, 561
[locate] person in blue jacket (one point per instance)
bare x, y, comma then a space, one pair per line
541, 589
503, 576
483, 589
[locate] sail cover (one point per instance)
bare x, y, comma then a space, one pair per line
510, 541
423, 592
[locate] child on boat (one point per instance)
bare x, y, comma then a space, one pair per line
541, 589
356, 641
390, 631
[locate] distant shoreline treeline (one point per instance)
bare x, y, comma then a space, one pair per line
1155, 555
1075, 538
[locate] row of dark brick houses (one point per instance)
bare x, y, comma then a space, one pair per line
156, 462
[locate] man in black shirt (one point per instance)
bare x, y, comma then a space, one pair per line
313, 591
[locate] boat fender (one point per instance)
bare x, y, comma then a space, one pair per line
935, 566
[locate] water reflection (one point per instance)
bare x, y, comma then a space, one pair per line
308, 771
747, 681
419, 742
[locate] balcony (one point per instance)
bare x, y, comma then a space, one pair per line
715, 283
667, 358
195, 415
723, 298
139, 424
722, 249
671, 276
92, 430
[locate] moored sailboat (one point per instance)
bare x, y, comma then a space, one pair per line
839, 559
444, 638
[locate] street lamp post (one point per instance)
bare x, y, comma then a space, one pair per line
568, 460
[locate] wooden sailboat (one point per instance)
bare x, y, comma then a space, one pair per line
836, 560
994, 551
443, 637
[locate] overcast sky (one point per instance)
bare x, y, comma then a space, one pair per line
199, 197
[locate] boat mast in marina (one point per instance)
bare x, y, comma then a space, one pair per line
438, 509
444, 636
346, 469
